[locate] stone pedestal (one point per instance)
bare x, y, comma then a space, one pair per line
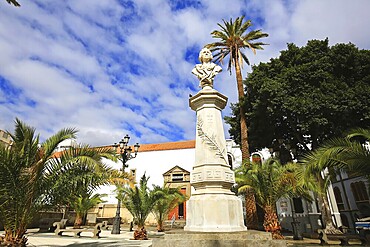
212, 207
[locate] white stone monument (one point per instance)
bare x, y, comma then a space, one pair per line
212, 207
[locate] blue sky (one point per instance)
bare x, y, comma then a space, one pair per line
111, 68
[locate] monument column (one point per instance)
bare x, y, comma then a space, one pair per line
212, 207
214, 214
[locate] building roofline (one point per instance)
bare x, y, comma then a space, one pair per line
154, 147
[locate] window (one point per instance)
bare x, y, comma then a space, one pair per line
359, 191
338, 198
230, 159
5, 135
181, 211
298, 206
256, 158
177, 177
344, 219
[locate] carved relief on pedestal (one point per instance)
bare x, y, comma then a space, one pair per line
212, 175
196, 177
229, 177
211, 141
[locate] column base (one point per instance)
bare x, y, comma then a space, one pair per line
214, 213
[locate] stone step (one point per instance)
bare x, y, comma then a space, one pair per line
220, 239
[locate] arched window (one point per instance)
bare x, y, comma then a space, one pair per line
230, 159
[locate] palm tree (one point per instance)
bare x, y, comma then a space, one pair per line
172, 197
271, 181
139, 201
83, 203
338, 153
22, 170
233, 38
349, 153
78, 171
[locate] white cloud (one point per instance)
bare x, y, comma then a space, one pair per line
110, 67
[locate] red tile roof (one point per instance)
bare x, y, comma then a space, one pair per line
167, 146
156, 147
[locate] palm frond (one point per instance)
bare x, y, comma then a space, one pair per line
233, 37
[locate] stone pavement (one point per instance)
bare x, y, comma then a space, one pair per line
124, 239
49, 239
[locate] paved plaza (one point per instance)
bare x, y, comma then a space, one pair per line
36, 238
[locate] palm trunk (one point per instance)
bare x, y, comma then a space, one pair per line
271, 222
243, 121
14, 237
140, 233
325, 211
160, 227
250, 202
251, 210
78, 221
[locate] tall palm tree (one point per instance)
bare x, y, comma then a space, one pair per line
271, 181
22, 170
139, 201
233, 37
172, 197
339, 153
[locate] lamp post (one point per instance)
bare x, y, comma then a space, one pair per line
124, 155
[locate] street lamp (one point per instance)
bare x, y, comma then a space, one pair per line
125, 155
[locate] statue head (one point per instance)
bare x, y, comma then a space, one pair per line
205, 55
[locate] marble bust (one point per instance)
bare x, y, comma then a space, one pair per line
206, 71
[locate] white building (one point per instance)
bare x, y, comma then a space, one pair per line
156, 159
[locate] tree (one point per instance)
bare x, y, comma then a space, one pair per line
22, 173
271, 181
172, 197
338, 154
140, 201
77, 173
307, 95
83, 203
233, 37
351, 153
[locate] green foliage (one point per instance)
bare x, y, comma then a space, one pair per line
271, 181
233, 37
349, 153
83, 203
307, 95
34, 177
77, 172
22, 172
139, 200
172, 197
